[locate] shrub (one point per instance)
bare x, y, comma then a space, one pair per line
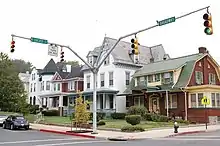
51, 113
133, 119
118, 115
148, 116
181, 121
100, 123
137, 110
163, 118
100, 116
130, 128
33, 108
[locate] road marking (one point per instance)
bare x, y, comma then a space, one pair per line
32, 141
201, 136
185, 139
72, 143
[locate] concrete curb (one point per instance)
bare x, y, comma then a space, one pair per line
67, 133
185, 133
123, 139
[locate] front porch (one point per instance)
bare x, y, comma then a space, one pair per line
105, 101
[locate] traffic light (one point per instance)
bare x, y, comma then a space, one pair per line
12, 46
208, 24
61, 56
134, 46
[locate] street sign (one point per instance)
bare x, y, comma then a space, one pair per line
205, 101
166, 21
53, 50
37, 40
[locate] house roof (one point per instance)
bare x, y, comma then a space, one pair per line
121, 52
168, 65
50, 68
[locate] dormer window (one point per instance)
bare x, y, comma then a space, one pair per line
107, 60
90, 59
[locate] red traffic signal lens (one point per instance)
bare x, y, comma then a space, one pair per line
206, 16
13, 42
207, 23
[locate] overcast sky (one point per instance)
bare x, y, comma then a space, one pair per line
82, 24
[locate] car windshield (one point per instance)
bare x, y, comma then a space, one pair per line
19, 118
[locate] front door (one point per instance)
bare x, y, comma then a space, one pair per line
154, 105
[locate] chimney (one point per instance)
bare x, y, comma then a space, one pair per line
151, 60
202, 50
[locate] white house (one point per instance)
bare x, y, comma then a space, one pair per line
115, 74
24, 77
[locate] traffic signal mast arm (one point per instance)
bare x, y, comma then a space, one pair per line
60, 46
134, 33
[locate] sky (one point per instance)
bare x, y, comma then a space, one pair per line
83, 24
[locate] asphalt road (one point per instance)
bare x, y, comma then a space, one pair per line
36, 138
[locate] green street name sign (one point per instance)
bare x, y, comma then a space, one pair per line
37, 40
166, 21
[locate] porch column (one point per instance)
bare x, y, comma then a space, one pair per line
167, 103
61, 101
104, 102
186, 106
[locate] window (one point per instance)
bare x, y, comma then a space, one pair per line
111, 101
215, 99
193, 100
150, 78
90, 59
107, 60
42, 85
127, 78
88, 82
34, 87
48, 85
172, 101
212, 79
200, 96
167, 78
139, 101
102, 79
138, 81
58, 87
31, 87
110, 78
54, 87
199, 77
157, 78
71, 85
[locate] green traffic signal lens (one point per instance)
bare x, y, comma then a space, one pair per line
208, 31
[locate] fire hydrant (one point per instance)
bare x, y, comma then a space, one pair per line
176, 127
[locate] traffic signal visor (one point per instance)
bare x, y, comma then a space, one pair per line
208, 24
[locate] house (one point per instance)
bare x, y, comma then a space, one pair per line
176, 86
51, 85
24, 77
115, 73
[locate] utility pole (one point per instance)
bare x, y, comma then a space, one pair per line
95, 68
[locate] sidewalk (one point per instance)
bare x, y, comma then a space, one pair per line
160, 133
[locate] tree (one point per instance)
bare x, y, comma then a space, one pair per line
12, 93
22, 66
81, 114
73, 63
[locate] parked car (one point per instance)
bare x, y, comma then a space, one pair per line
15, 122
2, 119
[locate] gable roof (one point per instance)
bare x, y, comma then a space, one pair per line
121, 52
168, 65
50, 68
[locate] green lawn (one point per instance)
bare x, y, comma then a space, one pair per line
118, 124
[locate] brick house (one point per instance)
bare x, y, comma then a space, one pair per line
179, 84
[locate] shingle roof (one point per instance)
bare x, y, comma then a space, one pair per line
50, 68
166, 65
121, 52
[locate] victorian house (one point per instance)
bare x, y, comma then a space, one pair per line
176, 86
115, 73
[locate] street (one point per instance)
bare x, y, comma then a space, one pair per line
37, 138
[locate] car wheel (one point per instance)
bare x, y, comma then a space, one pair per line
12, 127
3, 126
27, 128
